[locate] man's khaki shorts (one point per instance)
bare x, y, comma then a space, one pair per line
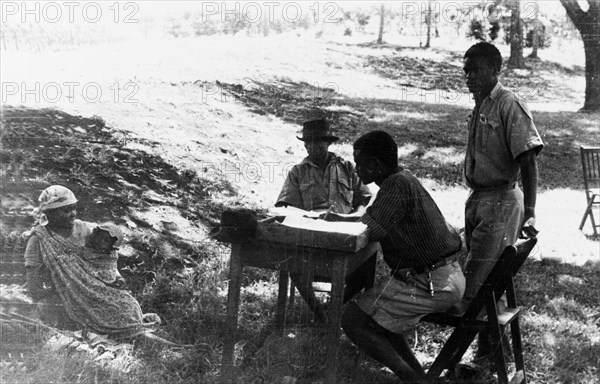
399, 305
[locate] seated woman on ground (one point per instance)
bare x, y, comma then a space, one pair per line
73, 283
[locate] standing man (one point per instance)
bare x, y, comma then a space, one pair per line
502, 147
322, 181
419, 247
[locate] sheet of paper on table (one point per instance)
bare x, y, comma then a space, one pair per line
324, 226
293, 211
294, 227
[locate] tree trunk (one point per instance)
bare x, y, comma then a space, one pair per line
381, 19
427, 44
535, 42
516, 36
588, 24
591, 45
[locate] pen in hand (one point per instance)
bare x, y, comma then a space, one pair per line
329, 210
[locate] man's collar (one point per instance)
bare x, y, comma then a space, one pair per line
397, 170
495, 91
331, 157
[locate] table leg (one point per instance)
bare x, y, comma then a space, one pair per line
292, 297
335, 317
281, 300
371, 266
233, 304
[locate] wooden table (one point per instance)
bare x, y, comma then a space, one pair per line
279, 254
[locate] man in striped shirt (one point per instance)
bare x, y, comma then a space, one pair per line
420, 248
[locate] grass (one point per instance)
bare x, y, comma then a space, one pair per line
142, 166
561, 322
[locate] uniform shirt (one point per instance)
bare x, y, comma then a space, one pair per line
408, 224
500, 129
308, 187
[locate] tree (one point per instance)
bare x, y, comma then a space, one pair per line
516, 59
535, 39
588, 24
381, 20
428, 20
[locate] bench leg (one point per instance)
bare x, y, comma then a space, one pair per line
499, 358
589, 212
594, 225
496, 331
453, 350
517, 346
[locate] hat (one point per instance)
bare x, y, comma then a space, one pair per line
56, 196
316, 130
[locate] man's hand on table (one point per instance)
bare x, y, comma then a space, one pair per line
329, 216
332, 216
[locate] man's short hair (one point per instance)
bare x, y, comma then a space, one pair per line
379, 145
486, 51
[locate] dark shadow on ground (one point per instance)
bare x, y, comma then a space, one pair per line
41, 147
453, 55
93, 160
550, 283
431, 135
562, 315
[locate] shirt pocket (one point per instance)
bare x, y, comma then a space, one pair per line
489, 131
345, 191
307, 194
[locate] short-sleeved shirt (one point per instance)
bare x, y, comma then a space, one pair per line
500, 129
408, 224
308, 187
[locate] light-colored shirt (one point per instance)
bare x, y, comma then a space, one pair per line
308, 187
408, 224
500, 129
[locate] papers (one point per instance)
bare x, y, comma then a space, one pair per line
291, 226
348, 228
293, 211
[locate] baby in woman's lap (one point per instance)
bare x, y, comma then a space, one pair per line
100, 252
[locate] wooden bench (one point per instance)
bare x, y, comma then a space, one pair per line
482, 314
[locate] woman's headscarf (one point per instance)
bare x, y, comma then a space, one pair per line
55, 196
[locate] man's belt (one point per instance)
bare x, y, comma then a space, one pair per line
496, 188
405, 273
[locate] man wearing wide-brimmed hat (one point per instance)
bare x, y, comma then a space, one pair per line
322, 181
323, 178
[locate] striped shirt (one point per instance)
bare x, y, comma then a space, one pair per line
408, 224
